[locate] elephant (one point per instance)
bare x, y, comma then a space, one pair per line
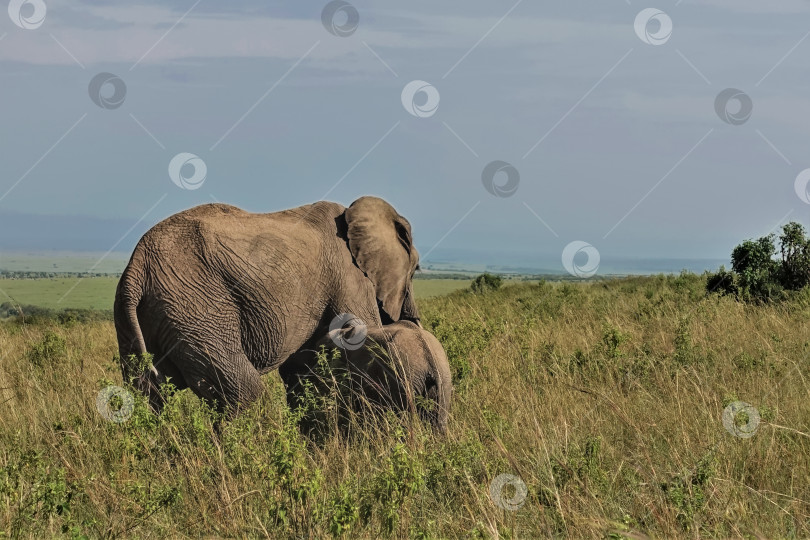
399, 366
215, 296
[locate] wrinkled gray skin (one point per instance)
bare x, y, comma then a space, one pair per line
399, 366
218, 295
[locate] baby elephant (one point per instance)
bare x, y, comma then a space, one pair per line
399, 366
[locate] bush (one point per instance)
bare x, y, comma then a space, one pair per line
757, 275
485, 283
723, 282
48, 351
36, 315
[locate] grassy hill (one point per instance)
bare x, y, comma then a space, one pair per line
605, 400
99, 292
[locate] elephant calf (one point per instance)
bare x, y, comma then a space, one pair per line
400, 366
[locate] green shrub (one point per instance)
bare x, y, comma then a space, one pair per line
722, 282
757, 275
687, 491
41, 491
612, 338
459, 337
401, 477
48, 351
485, 283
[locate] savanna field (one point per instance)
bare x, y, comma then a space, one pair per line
605, 399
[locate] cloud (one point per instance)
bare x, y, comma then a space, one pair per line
118, 34
782, 7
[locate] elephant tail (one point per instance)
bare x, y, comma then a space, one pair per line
127, 328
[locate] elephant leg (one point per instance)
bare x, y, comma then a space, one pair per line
294, 372
231, 383
150, 381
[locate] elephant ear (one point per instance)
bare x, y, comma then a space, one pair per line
381, 243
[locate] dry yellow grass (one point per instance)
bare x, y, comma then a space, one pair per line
604, 399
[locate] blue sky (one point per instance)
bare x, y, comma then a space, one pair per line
616, 141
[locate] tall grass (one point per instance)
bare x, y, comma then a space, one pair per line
604, 399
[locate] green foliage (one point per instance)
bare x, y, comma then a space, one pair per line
612, 338
723, 282
753, 262
325, 397
40, 491
136, 364
687, 492
342, 511
582, 463
450, 466
554, 389
290, 474
48, 351
386, 495
794, 272
460, 339
485, 283
757, 276
684, 349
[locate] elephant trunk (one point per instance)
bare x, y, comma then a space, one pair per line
438, 391
409, 310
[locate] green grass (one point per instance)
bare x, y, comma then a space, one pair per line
428, 288
99, 292
86, 293
63, 261
605, 399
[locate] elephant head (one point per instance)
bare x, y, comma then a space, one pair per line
400, 366
382, 246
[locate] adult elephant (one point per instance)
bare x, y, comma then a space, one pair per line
217, 295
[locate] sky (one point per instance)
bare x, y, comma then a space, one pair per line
606, 126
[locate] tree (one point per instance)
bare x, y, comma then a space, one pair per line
758, 275
753, 262
795, 271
